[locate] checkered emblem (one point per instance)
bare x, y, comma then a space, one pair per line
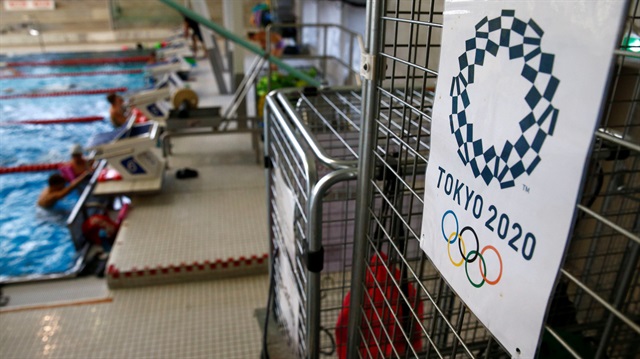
522, 40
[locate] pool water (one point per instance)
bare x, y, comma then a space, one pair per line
13, 86
35, 241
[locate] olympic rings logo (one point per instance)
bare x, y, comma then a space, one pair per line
471, 256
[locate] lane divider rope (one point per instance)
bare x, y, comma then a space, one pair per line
85, 119
64, 93
73, 62
31, 168
72, 74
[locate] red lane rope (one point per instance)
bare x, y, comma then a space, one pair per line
64, 93
54, 121
70, 74
31, 168
72, 62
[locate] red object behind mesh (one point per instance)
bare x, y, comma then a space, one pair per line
380, 315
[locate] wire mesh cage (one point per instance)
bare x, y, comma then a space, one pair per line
290, 173
311, 140
406, 308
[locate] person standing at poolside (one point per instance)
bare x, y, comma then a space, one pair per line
190, 24
117, 109
57, 189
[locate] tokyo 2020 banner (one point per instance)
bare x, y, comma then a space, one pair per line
519, 92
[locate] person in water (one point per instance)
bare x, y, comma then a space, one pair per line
153, 58
76, 166
57, 189
117, 109
7, 71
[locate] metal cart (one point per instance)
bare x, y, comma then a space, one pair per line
595, 310
311, 140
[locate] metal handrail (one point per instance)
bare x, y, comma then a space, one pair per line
312, 142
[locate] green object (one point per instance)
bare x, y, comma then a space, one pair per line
279, 81
631, 43
552, 349
221, 30
190, 60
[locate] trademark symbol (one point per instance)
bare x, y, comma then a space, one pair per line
526, 188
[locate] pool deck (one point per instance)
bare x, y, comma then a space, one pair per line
207, 227
211, 226
196, 233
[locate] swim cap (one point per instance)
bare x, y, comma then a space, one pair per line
76, 149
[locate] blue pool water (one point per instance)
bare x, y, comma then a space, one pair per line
34, 241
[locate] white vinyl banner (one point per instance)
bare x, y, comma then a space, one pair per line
518, 97
289, 301
286, 207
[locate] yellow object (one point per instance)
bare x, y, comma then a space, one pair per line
261, 102
185, 94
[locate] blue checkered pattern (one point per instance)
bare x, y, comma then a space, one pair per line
522, 40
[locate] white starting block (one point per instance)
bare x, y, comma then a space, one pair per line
152, 103
176, 64
177, 46
128, 150
156, 104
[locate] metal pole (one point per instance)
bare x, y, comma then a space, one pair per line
268, 167
620, 296
364, 188
350, 47
315, 245
325, 53
41, 41
268, 51
110, 11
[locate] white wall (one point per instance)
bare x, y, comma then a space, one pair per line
337, 43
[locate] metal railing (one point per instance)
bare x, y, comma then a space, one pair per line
307, 154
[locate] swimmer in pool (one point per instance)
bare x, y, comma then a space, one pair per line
57, 189
153, 58
117, 110
77, 166
9, 72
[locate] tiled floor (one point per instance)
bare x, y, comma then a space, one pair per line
213, 319
219, 215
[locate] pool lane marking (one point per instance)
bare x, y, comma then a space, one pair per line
64, 93
71, 74
31, 168
74, 62
85, 119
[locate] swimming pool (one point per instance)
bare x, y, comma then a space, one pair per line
34, 241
